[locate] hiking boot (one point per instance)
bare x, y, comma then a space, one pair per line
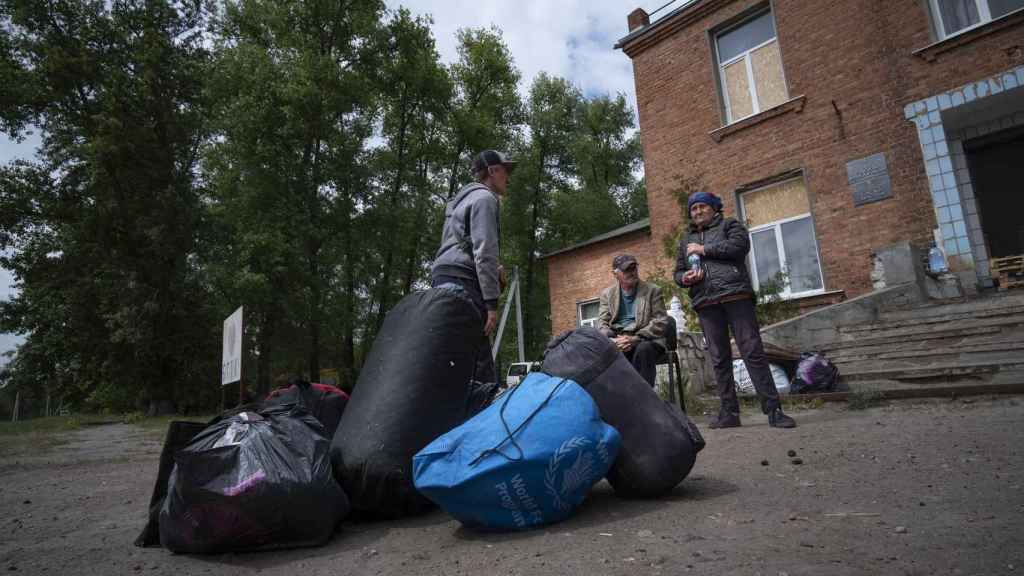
726, 420
776, 419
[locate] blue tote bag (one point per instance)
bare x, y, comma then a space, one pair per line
528, 459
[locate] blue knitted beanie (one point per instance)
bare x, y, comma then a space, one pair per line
705, 198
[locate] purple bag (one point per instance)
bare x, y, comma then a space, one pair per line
814, 373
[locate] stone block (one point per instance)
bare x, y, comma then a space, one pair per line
932, 103
949, 181
957, 98
945, 102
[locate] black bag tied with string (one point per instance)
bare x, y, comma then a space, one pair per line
659, 442
416, 384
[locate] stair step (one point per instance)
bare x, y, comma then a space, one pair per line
981, 370
846, 356
989, 302
918, 337
938, 330
1012, 311
1003, 377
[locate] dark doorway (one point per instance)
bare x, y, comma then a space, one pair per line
996, 162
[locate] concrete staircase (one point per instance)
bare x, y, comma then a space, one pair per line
973, 342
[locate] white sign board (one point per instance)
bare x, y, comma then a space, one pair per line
231, 361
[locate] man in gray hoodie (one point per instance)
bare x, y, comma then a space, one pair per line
468, 255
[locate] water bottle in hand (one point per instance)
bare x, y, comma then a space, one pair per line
694, 261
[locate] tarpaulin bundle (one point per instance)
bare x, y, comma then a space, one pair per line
528, 459
659, 442
253, 481
325, 402
416, 384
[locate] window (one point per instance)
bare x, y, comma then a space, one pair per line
750, 68
586, 313
782, 237
955, 16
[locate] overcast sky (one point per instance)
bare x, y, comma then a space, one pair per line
572, 39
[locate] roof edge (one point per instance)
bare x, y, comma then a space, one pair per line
639, 40
616, 233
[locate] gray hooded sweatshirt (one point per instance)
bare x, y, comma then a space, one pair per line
471, 254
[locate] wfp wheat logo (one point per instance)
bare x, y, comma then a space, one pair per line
580, 473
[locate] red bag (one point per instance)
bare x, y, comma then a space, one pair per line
325, 402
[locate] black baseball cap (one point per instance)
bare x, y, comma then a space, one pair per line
623, 262
488, 158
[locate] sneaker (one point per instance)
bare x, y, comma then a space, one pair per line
776, 419
726, 420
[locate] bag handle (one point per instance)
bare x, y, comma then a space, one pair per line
510, 434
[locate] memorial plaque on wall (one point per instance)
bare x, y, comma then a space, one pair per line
869, 179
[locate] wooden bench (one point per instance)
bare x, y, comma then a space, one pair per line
1008, 271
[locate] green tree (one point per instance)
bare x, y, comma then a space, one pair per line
415, 94
486, 109
294, 107
103, 227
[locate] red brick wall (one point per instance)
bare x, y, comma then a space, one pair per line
580, 275
855, 53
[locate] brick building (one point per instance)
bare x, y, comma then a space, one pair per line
833, 129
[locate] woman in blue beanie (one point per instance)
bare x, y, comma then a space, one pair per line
723, 297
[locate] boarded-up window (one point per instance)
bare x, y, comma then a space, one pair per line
782, 240
750, 67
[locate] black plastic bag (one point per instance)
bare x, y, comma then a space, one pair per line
326, 403
659, 442
814, 373
179, 434
415, 385
253, 481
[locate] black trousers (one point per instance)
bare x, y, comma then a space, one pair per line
716, 320
485, 371
644, 356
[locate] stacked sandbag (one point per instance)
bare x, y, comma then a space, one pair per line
253, 481
325, 402
527, 460
416, 384
659, 442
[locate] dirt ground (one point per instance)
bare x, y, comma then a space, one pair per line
930, 487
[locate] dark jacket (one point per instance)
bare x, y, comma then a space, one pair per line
651, 318
726, 244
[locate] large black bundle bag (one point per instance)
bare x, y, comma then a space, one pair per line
416, 384
659, 442
253, 481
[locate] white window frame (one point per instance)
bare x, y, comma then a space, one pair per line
786, 294
984, 17
592, 322
754, 99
